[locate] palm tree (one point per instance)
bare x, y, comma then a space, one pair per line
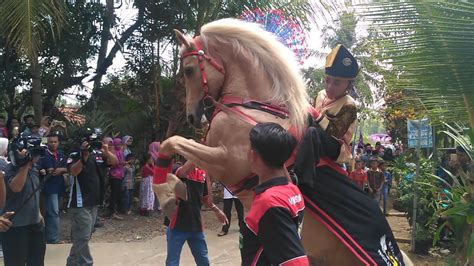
428, 45
24, 23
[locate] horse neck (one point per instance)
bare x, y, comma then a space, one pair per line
246, 81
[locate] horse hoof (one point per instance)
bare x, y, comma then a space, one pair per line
177, 186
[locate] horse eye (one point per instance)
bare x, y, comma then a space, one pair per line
188, 71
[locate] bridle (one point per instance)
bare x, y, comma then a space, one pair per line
207, 100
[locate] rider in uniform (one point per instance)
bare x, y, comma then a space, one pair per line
338, 111
330, 196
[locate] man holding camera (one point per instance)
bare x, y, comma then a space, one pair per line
88, 167
24, 242
54, 163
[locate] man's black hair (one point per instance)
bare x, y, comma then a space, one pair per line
273, 143
367, 144
53, 134
28, 116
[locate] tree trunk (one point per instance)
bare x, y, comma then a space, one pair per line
172, 126
104, 38
157, 86
469, 108
179, 94
36, 91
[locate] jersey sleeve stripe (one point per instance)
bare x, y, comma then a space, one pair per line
298, 261
257, 256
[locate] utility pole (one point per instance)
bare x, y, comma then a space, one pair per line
418, 153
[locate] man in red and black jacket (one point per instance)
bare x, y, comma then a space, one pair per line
271, 235
185, 224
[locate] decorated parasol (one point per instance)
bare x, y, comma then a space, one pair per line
285, 28
380, 137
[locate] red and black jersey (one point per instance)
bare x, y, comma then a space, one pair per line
271, 235
187, 216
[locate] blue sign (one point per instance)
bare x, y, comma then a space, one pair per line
426, 133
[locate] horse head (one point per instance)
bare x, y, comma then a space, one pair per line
203, 78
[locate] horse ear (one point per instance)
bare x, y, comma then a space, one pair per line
182, 40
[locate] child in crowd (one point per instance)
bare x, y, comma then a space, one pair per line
386, 186
359, 175
128, 183
35, 131
375, 178
147, 197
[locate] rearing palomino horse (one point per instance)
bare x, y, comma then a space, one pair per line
248, 77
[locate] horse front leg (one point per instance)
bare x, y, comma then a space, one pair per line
211, 159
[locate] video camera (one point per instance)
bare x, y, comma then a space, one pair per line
33, 147
94, 138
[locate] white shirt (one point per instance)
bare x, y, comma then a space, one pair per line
228, 195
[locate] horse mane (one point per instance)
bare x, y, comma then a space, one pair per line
266, 53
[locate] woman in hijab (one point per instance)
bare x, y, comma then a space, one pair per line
153, 149
127, 142
116, 176
109, 141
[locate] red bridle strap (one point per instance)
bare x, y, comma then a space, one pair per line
201, 55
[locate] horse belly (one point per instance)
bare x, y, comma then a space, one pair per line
322, 247
233, 134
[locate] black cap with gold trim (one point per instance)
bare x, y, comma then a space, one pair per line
341, 63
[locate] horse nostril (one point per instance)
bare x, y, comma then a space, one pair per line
191, 119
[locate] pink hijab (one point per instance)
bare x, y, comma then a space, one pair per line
153, 149
116, 171
108, 140
117, 144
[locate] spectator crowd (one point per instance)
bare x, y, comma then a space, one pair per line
371, 173
35, 193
